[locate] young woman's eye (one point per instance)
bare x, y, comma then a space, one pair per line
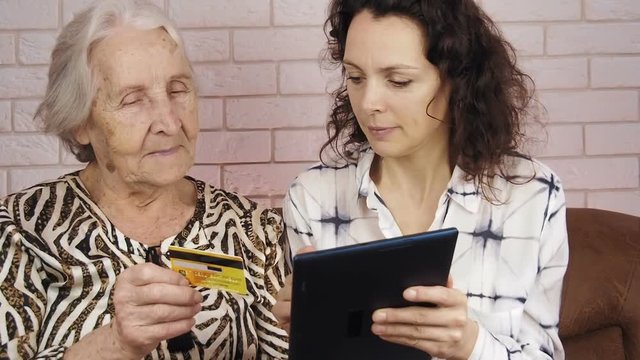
400, 83
355, 79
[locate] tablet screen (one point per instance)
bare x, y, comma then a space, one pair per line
335, 292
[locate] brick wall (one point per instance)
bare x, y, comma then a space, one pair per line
264, 97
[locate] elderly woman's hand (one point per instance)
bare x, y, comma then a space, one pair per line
443, 331
151, 304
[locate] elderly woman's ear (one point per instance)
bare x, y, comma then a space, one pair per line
81, 135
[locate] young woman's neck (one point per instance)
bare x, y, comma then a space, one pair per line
417, 176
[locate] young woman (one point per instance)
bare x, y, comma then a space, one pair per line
427, 128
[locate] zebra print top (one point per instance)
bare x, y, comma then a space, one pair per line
60, 257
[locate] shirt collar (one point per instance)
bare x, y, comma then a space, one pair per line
463, 192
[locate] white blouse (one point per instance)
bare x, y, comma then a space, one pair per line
509, 260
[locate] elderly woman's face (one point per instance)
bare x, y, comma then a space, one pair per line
144, 120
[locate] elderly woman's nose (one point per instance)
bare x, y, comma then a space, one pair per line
165, 117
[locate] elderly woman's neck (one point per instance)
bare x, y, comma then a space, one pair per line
109, 189
146, 213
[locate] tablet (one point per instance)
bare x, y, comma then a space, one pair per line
335, 292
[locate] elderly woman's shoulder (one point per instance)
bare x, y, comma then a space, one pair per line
43, 190
44, 201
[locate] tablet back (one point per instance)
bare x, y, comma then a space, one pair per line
335, 292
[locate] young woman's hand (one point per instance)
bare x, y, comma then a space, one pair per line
443, 331
282, 307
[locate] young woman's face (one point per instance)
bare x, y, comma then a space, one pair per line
394, 91
144, 121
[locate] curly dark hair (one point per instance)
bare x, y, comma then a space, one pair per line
489, 97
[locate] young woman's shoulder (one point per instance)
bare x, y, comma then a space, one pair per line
327, 179
524, 167
527, 177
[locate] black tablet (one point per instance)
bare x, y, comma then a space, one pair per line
335, 292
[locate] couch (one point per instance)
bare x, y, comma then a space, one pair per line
600, 313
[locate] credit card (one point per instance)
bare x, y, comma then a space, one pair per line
209, 269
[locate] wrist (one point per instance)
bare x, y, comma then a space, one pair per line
102, 344
120, 347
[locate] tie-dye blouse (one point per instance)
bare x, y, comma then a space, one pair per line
61, 255
509, 260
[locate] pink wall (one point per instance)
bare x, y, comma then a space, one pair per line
264, 97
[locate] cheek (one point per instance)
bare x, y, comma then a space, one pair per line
188, 113
355, 100
124, 136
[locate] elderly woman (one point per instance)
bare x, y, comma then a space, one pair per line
75, 283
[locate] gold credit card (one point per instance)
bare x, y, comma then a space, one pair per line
208, 269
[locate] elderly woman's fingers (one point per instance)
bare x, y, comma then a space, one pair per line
170, 329
155, 314
148, 273
161, 293
139, 339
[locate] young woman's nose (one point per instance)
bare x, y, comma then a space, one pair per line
373, 97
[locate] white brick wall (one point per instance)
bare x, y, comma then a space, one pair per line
36, 47
7, 49
5, 116
264, 97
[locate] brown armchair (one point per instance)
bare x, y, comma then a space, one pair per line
600, 313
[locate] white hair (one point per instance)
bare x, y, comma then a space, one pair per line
71, 88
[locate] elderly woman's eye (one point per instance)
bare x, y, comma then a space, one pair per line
177, 88
130, 101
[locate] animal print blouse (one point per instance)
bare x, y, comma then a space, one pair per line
60, 257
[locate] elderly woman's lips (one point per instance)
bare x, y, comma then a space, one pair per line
165, 152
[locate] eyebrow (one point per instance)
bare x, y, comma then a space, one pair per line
181, 76
384, 69
129, 89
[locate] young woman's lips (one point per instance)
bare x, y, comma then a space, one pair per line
381, 133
